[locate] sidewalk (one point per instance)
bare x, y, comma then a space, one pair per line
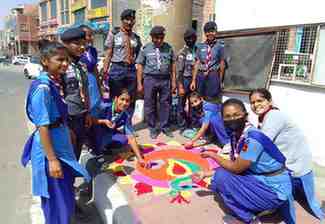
119, 204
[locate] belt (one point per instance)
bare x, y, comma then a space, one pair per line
209, 70
56, 123
159, 76
122, 63
273, 173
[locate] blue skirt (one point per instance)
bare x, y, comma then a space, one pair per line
243, 194
60, 206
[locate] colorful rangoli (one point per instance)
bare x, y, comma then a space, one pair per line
171, 167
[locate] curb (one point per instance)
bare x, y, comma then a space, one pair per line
108, 197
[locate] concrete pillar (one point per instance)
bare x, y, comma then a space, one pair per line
176, 17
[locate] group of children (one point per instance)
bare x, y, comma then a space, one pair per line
65, 105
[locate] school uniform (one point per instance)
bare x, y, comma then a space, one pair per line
211, 114
264, 186
122, 73
157, 69
210, 57
105, 137
76, 93
293, 144
185, 63
90, 58
45, 107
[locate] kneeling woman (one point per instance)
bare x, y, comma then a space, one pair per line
255, 178
114, 127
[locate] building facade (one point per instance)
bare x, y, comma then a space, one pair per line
21, 29
58, 15
202, 12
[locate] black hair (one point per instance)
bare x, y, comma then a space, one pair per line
195, 95
263, 92
236, 102
49, 49
42, 42
123, 91
84, 26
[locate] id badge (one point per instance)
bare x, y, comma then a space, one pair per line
189, 57
118, 40
133, 43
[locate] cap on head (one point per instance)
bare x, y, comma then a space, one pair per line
84, 26
157, 30
128, 13
72, 34
210, 26
189, 33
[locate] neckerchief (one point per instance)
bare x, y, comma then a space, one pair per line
58, 83
77, 68
209, 53
157, 52
128, 46
262, 116
235, 142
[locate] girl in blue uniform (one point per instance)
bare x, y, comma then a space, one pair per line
255, 178
114, 127
89, 57
208, 115
49, 148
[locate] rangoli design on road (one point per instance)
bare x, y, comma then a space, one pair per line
170, 172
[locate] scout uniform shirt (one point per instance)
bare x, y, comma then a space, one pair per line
117, 43
185, 62
157, 62
76, 88
210, 56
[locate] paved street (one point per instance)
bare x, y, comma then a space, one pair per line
15, 194
16, 202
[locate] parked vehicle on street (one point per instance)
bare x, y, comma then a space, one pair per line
33, 68
20, 60
4, 60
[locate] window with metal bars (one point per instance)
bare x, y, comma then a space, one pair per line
65, 15
294, 54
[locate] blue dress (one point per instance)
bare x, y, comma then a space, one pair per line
110, 138
253, 191
43, 109
212, 116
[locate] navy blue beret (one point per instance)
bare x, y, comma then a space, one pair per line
71, 34
189, 33
128, 13
210, 26
157, 30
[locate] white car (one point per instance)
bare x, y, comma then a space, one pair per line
20, 60
33, 68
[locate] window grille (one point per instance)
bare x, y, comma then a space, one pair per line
294, 54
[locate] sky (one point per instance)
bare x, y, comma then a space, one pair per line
6, 5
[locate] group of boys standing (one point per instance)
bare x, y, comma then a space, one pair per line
152, 70
157, 73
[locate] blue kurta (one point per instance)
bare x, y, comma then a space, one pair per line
212, 116
262, 162
253, 191
107, 137
42, 109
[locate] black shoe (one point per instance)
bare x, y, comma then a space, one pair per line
168, 132
154, 134
81, 215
